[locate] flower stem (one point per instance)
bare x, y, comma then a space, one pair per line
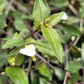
31, 34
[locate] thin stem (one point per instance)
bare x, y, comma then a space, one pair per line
10, 4
72, 9
66, 75
30, 63
21, 7
81, 24
76, 40
30, 34
45, 61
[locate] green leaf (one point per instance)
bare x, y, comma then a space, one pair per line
34, 78
54, 19
74, 67
71, 30
3, 57
58, 4
43, 81
2, 21
17, 75
19, 25
1, 81
74, 77
63, 36
14, 41
82, 52
40, 12
59, 73
44, 47
44, 70
52, 37
75, 51
19, 59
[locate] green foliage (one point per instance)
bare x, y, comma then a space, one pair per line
19, 59
54, 19
44, 70
19, 25
34, 78
2, 21
58, 4
59, 73
40, 12
74, 67
43, 81
17, 75
71, 30
3, 57
14, 41
44, 47
52, 37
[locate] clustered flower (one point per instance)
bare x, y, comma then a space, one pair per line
29, 50
11, 61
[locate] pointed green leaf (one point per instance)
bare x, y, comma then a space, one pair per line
71, 30
44, 71
59, 73
40, 12
19, 25
3, 57
14, 41
82, 52
44, 47
43, 81
17, 75
74, 67
54, 19
52, 37
34, 78
19, 59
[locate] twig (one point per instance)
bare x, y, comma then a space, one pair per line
30, 62
45, 61
81, 24
10, 4
66, 76
72, 9
76, 40
30, 34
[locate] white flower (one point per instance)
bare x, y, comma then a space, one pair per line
65, 16
29, 50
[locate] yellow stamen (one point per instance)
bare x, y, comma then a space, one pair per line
34, 59
16, 34
13, 64
46, 25
5, 25
13, 59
